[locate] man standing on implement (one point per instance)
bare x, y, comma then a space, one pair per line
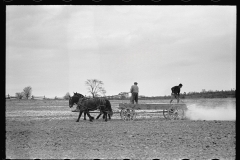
134, 90
175, 92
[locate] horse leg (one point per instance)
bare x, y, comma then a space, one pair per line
84, 115
80, 113
99, 115
105, 116
89, 116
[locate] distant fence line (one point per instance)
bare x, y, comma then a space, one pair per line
56, 98
34, 97
62, 98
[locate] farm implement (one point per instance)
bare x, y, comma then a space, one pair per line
169, 111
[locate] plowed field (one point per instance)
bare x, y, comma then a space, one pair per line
47, 129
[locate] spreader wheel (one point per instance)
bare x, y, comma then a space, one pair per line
172, 113
165, 113
175, 112
128, 114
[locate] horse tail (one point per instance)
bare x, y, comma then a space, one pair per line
106, 106
109, 107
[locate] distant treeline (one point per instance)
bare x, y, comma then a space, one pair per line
211, 94
203, 94
36, 97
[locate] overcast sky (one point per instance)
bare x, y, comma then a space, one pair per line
55, 49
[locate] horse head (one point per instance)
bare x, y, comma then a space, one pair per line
70, 102
75, 98
78, 95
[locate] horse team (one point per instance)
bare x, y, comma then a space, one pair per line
85, 105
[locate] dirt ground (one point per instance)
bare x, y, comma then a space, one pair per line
53, 136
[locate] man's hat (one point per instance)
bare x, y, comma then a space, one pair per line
180, 84
135, 83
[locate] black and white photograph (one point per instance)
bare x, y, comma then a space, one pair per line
120, 82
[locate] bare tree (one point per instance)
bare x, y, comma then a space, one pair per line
27, 91
19, 95
95, 87
66, 97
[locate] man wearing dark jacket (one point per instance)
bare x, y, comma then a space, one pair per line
175, 92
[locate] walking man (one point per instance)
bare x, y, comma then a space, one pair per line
175, 92
134, 90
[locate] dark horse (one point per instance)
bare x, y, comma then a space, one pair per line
74, 100
109, 105
89, 104
86, 105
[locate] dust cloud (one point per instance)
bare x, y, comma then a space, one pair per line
197, 112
